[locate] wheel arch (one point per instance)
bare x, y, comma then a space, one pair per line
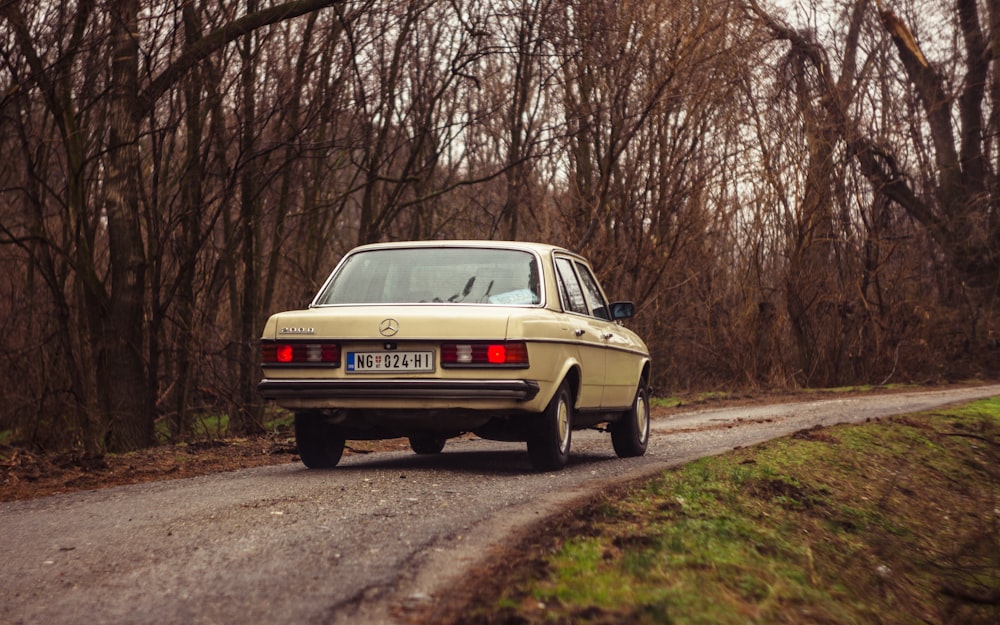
646, 374
569, 371
572, 378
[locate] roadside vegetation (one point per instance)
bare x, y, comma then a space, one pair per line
893, 521
697, 398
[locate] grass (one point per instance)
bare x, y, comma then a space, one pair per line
674, 401
888, 522
207, 426
700, 397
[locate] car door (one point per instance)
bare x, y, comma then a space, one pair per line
619, 360
588, 332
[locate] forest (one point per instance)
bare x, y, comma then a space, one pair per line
795, 194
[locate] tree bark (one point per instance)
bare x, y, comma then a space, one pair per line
247, 415
126, 399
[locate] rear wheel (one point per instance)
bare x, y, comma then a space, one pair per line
549, 443
630, 434
320, 443
426, 445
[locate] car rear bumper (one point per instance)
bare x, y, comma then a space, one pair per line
398, 388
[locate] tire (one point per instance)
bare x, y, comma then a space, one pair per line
630, 434
550, 440
320, 444
426, 445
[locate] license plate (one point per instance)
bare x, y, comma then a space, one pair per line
376, 362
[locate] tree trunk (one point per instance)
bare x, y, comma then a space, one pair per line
126, 399
248, 415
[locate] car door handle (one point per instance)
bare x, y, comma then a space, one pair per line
607, 336
579, 332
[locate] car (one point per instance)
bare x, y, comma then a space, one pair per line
432, 340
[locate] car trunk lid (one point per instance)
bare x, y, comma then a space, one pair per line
417, 322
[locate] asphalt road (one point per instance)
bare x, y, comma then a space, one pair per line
364, 543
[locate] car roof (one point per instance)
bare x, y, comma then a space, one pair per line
540, 248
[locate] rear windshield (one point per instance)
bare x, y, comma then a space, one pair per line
435, 275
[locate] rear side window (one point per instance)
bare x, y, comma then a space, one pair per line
570, 290
435, 275
579, 290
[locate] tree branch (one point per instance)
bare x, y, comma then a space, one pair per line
217, 39
937, 104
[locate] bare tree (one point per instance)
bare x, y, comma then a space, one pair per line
952, 200
120, 398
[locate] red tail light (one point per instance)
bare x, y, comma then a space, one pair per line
505, 354
325, 354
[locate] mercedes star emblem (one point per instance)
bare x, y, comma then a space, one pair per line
388, 327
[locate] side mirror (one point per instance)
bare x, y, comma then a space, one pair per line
622, 310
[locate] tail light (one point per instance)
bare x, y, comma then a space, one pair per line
300, 353
482, 354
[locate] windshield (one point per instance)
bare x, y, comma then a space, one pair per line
435, 275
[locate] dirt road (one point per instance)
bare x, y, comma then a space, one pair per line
377, 537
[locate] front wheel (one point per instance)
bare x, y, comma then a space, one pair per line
320, 443
630, 434
426, 445
549, 442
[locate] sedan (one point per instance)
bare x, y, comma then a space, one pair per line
432, 340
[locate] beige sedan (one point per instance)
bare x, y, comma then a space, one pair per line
432, 340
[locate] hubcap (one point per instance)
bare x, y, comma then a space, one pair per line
642, 417
563, 423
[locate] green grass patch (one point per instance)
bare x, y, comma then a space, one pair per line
280, 420
673, 401
861, 388
889, 522
665, 402
208, 426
